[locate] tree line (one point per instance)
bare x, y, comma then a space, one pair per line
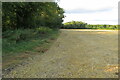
24, 22
16, 15
83, 25
27, 26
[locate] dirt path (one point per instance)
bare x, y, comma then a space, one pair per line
75, 54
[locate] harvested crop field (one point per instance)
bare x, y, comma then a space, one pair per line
75, 54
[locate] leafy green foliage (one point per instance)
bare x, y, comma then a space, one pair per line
31, 15
75, 25
23, 22
43, 30
25, 39
102, 26
27, 26
83, 25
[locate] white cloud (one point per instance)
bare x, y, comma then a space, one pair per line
101, 12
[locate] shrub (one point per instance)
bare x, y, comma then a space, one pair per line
43, 30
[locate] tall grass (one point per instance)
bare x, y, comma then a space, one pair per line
16, 41
20, 44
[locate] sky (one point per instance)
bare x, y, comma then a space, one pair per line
91, 11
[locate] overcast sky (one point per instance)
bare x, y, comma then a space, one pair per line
91, 11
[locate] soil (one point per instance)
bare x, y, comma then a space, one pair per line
75, 54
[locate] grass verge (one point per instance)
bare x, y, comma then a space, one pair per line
21, 44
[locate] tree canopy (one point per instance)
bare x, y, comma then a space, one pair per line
31, 15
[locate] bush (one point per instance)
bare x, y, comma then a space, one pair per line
18, 35
43, 30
